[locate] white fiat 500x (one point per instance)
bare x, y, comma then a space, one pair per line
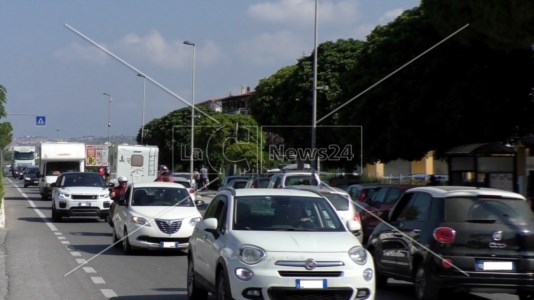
155, 215
277, 244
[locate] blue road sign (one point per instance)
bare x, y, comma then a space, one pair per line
40, 120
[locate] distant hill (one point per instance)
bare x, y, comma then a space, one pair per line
35, 140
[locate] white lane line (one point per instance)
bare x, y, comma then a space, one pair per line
98, 280
89, 270
108, 293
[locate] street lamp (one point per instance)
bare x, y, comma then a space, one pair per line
143, 113
109, 123
189, 43
172, 148
314, 94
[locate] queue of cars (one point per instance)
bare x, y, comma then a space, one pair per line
263, 243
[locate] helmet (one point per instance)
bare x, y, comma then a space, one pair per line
164, 169
122, 179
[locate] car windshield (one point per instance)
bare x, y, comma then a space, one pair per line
83, 179
32, 171
285, 213
488, 210
161, 196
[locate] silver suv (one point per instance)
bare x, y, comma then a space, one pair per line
281, 180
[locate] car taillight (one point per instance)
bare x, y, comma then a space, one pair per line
445, 235
357, 217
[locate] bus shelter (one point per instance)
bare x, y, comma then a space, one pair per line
485, 165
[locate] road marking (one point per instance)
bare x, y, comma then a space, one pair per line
89, 270
98, 280
108, 293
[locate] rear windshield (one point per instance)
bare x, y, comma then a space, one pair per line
489, 210
340, 202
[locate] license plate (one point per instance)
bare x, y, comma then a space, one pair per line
172, 245
495, 265
311, 284
84, 203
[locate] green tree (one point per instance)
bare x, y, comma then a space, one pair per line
455, 94
220, 139
289, 93
503, 24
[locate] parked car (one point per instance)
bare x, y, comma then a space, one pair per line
247, 248
457, 238
382, 200
362, 191
30, 176
80, 194
281, 180
155, 215
341, 201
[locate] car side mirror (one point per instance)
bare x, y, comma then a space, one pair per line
200, 203
209, 224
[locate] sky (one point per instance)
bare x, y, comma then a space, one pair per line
59, 58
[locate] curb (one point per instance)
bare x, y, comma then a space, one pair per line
2, 216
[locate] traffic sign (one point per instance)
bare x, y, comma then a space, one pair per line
40, 120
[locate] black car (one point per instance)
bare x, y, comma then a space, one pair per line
449, 239
30, 176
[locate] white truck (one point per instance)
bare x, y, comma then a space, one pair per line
23, 156
56, 158
137, 162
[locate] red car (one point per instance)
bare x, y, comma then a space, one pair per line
383, 199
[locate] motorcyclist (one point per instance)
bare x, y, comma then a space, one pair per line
164, 175
116, 194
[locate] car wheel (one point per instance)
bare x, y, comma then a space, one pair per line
193, 290
424, 288
115, 238
56, 215
126, 247
223, 287
381, 280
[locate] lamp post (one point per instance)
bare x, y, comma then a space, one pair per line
109, 123
189, 43
172, 149
314, 94
143, 113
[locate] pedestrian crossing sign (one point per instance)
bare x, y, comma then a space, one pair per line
40, 120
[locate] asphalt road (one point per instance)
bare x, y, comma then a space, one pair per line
40, 259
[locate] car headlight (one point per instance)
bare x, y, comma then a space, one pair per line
27, 178
358, 255
194, 221
103, 196
251, 255
64, 195
140, 221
